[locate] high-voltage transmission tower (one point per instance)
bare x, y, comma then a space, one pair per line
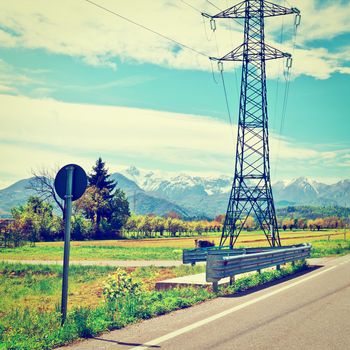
251, 192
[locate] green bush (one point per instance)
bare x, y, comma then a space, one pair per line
121, 285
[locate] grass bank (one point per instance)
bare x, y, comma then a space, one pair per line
328, 248
39, 286
29, 297
162, 249
91, 252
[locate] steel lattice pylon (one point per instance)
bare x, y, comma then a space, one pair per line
251, 192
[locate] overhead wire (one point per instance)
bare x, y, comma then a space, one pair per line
212, 4
278, 75
206, 35
190, 5
235, 70
220, 66
226, 97
287, 76
148, 29
218, 8
172, 40
276, 101
212, 72
185, 46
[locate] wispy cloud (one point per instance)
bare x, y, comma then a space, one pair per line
13, 80
77, 28
7, 89
46, 132
132, 80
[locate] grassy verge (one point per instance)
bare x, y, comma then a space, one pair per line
32, 326
166, 249
327, 248
39, 286
91, 252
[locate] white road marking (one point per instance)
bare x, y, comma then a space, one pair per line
198, 324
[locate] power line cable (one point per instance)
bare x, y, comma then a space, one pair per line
146, 28
287, 76
276, 101
212, 72
220, 66
226, 99
218, 8
232, 43
205, 30
189, 5
278, 75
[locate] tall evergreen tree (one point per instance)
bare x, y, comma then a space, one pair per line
99, 178
103, 203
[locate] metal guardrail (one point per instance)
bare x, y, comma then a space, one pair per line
220, 266
192, 256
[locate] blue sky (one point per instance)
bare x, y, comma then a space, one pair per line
77, 83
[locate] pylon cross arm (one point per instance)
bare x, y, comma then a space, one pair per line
241, 54
270, 10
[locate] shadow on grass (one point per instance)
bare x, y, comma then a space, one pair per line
273, 283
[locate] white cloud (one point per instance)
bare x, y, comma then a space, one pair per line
46, 132
5, 88
321, 20
12, 79
80, 29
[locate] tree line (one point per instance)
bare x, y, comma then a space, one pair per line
169, 225
99, 214
103, 213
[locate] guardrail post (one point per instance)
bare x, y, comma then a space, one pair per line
259, 271
293, 263
215, 287
278, 267
232, 280
329, 237
193, 263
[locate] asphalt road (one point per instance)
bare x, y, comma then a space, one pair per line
309, 311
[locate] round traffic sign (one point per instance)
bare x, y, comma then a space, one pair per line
78, 185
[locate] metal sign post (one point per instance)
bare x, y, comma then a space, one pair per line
70, 184
67, 225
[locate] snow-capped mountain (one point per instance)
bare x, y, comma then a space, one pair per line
193, 195
307, 191
297, 189
209, 195
176, 185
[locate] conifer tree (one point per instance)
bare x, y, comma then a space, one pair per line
99, 178
103, 203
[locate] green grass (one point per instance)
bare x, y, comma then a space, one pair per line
327, 248
257, 279
91, 253
39, 286
37, 327
149, 249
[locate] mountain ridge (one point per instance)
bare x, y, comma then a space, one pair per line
193, 196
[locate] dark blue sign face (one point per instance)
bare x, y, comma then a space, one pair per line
79, 181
